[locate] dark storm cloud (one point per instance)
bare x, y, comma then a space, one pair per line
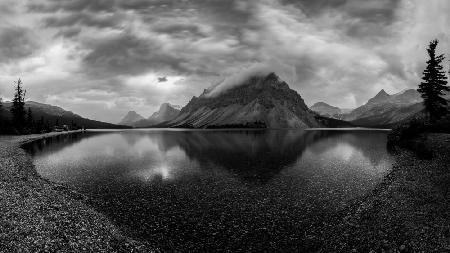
362, 19
127, 54
369, 11
16, 42
162, 79
52, 6
82, 19
179, 29
181, 34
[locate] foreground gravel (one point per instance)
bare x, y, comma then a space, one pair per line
40, 216
408, 212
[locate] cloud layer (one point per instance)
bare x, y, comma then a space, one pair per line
101, 58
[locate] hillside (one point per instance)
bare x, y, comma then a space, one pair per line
53, 114
327, 110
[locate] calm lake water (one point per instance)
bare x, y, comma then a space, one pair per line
240, 190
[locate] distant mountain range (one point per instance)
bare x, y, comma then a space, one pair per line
53, 114
383, 110
263, 101
165, 113
386, 110
330, 111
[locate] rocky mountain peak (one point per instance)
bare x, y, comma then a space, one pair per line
258, 100
380, 97
130, 118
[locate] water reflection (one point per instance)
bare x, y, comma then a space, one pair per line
211, 190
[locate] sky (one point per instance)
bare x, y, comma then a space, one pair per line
103, 58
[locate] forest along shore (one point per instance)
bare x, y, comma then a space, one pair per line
38, 215
408, 212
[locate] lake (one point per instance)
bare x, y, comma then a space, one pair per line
201, 190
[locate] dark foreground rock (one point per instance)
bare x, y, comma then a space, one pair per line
37, 215
408, 212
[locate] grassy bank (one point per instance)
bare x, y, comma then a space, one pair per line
37, 215
408, 212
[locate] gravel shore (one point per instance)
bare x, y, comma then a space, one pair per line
40, 216
408, 212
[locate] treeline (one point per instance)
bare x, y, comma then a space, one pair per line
21, 120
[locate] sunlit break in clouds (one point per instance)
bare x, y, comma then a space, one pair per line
102, 58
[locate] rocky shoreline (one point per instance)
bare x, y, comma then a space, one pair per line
38, 215
408, 212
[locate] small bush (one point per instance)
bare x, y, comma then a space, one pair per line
408, 131
411, 136
440, 126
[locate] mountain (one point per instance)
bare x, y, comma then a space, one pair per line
263, 101
327, 110
52, 114
381, 97
165, 113
385, 110
130, 118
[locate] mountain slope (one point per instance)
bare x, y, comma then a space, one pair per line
165, 113
260, 101
327, 110
52, 114
381, 97
130, 118
386, 110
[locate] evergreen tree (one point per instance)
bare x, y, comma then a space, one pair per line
40, 125
18, 107
1, 117
29, 118
434, 84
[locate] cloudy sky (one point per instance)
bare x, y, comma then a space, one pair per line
102, 58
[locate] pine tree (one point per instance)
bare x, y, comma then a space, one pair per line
1, 117
434, 84
40, 125
29, 118
18, 106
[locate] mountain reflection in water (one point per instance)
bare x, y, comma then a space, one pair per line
210, 190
